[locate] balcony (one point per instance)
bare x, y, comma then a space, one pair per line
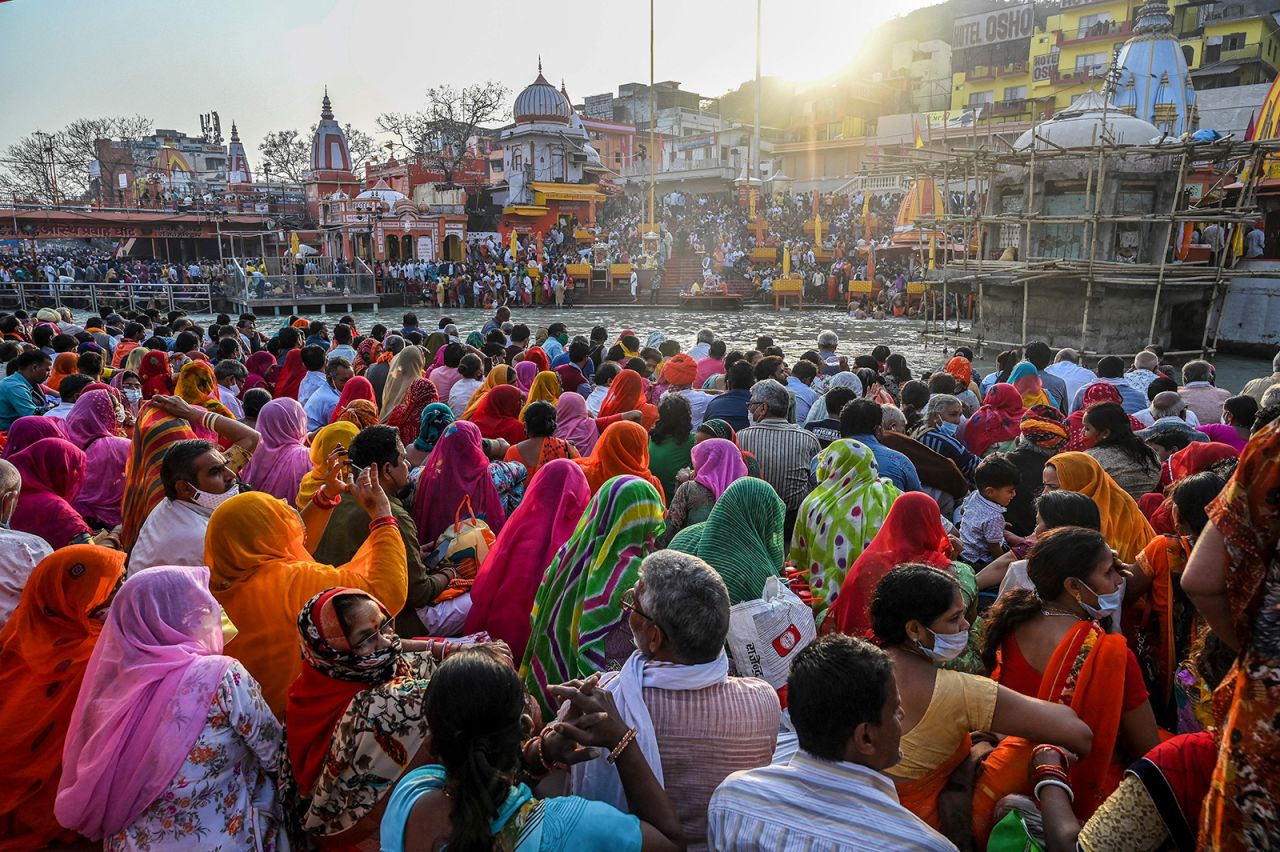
1017, 106
991, 72
1240, 54
1096, 30
686, 169
1085, 74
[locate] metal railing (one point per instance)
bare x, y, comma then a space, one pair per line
681, 166
100, 296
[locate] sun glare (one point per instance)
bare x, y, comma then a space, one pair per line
814, 39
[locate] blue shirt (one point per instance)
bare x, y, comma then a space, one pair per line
312, 380
19, 398
893, 465
320, 406
945, 445
1131, 398
731, 407
552, 347
805, 397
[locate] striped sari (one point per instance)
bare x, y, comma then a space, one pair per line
154, 433
578, 624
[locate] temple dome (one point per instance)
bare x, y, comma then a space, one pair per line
541, 101
383, 192
1081, 126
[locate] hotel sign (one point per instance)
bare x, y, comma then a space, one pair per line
1043, 66
1000, 25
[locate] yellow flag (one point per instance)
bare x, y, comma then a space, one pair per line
786, 262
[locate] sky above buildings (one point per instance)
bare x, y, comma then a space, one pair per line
265, 64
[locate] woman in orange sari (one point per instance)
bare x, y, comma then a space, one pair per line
918, 616
1233, 578
64, 365
627, 393
262, 573
1123, 524
1050, 643
541, 446
44, 650
623, 448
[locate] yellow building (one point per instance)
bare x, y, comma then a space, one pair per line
1232, 43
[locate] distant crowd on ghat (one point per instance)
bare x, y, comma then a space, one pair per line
309, 585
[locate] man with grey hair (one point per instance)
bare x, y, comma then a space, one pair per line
783, 449
1066, 366
1200, 394
1257, 387
20, 552
694, 723
831, 362
702, 346
1145, 364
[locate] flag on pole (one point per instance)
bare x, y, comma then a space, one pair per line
915, 124
1251, 129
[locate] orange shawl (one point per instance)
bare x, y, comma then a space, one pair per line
627, 393
499, 375
1087, 672
262, 575
623, 448
64, 365
920, 796
44, 650
1123, 525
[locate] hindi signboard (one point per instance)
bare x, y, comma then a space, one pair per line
998, 25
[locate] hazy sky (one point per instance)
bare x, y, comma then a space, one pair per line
265, 64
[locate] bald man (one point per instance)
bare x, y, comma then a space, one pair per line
20, 552
1145, 365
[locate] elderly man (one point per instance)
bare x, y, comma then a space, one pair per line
1145, 364
942, 415
1066, 366
1198, 390
1257, 387
1165, 404
702, 347
832, 363
694, 723
832, 793
939, 476
783, 449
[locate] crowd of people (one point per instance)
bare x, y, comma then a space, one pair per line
310, 585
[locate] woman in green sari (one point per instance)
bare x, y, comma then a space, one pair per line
741, 538
839, 517
579, 626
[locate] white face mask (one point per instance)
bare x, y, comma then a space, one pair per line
1108, 604
946, 646
209, 502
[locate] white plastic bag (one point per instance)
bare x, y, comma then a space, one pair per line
766, 634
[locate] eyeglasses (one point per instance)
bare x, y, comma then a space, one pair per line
386, 628
631, 602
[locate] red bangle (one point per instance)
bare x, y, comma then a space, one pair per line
384, 521
322, 502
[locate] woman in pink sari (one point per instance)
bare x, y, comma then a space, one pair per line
53, 472
526, 372
25, 431
502, 597
456, 468
282, 458
262, 369
94, 425
170, 739
574, 424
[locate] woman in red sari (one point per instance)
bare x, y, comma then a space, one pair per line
156, 374
1191, 459
912, 532
1050, 644
627, 393
998, 421
291, 375
357, 387
498, 414
1233, 578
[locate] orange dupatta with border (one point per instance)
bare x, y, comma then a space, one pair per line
1087, 672
920, 795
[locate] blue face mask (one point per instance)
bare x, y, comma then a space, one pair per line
1108, 604
948, 428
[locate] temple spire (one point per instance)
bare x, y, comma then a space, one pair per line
326, 109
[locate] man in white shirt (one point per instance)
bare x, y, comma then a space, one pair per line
832, 793
1255, 242
1066, 366
68, 392
313, 358
605, 374
231, 377
702, 348
679, 373
20, 552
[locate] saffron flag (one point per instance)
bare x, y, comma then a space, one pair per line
919, 137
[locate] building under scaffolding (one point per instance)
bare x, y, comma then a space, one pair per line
1091, 231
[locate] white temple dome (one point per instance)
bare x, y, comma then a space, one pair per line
383, 192
541, 101
1081, 126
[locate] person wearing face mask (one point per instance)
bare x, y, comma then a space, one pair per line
20, 552
1053, 642
940, 429
557, 340
231, 376
675, 690
918, 617
380, 448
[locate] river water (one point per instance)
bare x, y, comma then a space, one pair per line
794, 331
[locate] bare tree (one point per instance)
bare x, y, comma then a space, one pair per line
285, 154
440, 135
362, 146
31, 165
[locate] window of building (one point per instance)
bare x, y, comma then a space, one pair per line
1092, 25
980, 98
1015, 93
1061, 240
1235, 41
1093, 63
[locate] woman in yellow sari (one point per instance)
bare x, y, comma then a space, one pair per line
1123, 524
328, 439
499, 375
545, 388
262, 573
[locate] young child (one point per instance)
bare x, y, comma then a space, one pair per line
982, 526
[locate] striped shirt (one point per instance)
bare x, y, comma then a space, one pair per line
784, 451
814, 805
949, 447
